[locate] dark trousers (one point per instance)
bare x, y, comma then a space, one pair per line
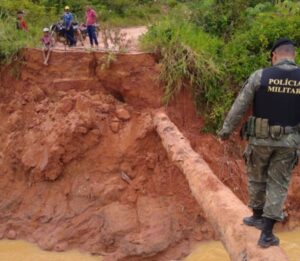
70, 36
91, 29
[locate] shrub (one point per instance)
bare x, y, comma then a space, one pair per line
221, 18
214, 70
11, 40
250, 47
188, 60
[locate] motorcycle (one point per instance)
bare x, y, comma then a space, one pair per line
58, 33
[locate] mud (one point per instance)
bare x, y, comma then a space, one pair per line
17, 250
214, 250
82, 166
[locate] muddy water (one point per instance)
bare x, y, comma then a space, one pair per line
214, 251
210, 251
23, 251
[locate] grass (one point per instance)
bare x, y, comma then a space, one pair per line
11, 41
107, 60
188, 60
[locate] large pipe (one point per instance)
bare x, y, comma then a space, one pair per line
221, 207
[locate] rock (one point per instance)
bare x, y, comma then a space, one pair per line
123, 114
11, 234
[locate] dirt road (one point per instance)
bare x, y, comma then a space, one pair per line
128, 42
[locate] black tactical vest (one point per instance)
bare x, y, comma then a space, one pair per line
278, 98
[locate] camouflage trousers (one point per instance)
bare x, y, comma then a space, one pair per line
269, 173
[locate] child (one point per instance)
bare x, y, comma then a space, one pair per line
47, 42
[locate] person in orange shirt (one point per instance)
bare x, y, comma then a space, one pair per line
21, 23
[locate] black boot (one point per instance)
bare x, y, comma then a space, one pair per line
267, 237
256, 220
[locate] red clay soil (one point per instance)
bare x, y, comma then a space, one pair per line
81, 165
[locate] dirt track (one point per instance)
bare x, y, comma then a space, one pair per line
129, 41
82, 167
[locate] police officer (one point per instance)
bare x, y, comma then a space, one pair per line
273, 134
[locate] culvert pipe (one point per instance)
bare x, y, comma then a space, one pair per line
221, 207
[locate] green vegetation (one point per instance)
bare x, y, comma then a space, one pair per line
187, 59
8, 36
43, 13
249, 48
213, 46
107, 60
12, 40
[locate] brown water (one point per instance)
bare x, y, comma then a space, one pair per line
210, 251
214, 251
23, 251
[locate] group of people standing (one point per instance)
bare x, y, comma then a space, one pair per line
91, 20
68, 20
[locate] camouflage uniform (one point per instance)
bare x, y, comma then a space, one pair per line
269, 161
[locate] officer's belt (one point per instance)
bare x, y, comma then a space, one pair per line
284, 130
259, 128
289, 129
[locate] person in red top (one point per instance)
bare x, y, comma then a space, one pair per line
47, 42
91, 18
21, 23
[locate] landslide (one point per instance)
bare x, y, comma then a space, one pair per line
81, 165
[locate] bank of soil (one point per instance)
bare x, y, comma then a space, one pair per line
82, 166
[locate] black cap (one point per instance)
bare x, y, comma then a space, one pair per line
281, 41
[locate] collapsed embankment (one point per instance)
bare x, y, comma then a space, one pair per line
81, 165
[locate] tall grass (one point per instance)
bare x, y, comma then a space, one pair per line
194, 52
184, 67
188, 58
11, 40
249, 48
